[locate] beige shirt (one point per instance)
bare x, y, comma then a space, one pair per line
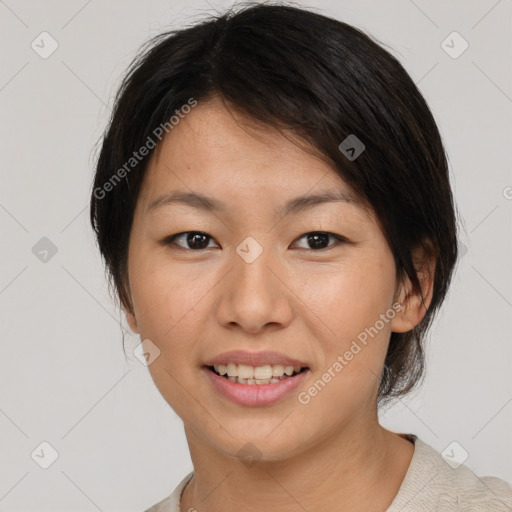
430, 485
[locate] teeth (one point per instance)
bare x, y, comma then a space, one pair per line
263, 372
277, 370
246, 372
232, 370
288, 370
222, 369
255, 375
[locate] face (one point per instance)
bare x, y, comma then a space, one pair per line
256, 279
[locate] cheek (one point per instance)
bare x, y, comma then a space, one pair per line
355, 302
167, 301
164, 294
350, 295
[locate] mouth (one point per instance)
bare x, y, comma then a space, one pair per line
276, 385
256, 376
255, 379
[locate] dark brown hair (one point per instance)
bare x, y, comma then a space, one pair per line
322, 80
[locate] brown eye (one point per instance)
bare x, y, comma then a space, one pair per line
194, 240
318, 240
198, 240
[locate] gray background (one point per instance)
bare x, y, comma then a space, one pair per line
64, 378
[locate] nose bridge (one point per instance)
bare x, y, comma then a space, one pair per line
253, 297
252, 262
251, 250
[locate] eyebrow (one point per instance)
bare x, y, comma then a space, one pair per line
293, 206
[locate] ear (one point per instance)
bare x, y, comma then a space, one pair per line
125, 298
413, 307
132, 321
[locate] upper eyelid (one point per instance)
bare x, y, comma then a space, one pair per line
170, 239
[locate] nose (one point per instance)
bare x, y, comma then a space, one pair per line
254, 295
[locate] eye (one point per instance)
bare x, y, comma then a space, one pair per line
197, 240
318, 239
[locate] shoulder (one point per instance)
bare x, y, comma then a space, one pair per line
434, 483
172, 502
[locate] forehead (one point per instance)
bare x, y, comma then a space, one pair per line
224, 154
214, 135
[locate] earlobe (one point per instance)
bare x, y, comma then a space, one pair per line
132, 322
414, 307
411, 313
402, 321
127, 305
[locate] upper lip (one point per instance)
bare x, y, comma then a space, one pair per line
255, 359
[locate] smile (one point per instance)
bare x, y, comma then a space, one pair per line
254, 392
259, 375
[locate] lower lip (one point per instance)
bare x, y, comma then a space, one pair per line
255, 395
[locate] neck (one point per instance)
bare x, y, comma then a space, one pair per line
359, 468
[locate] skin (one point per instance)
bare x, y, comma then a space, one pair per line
308, 303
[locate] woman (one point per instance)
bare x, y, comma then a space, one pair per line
273, 205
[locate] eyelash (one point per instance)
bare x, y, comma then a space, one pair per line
168, 241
